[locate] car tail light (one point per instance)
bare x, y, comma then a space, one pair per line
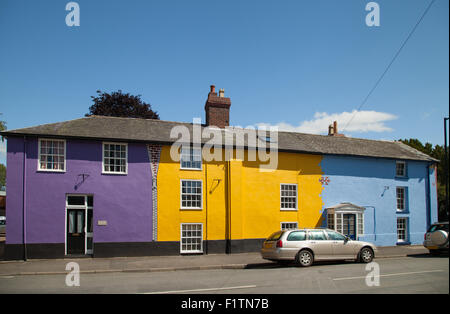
279, 243
424, 236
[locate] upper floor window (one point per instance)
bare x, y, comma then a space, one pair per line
52, 155
191, 194
191, 158
288, 196
115, 158
400, 169
401, 198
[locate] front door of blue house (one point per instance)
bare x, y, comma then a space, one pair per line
349, 225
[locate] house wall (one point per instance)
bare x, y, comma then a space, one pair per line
372, 183
124, 201
254, 199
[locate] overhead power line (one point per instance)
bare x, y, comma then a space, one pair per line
390, 63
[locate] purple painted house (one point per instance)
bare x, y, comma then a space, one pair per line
71, 177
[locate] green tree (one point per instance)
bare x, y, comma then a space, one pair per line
2, 126
118, 104
438, 153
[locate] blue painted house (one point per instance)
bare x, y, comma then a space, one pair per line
390, 202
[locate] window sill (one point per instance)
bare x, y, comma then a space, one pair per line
405, 211
190, 169
402, 177
403, 243
288, 209
51, 171
115, 173
194, 209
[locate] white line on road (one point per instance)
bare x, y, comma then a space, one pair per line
396, 274
200, 290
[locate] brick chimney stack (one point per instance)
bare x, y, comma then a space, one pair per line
217, 109
333, 130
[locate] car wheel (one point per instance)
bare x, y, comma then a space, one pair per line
304, 258
365, 255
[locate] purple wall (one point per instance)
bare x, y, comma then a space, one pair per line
124, 201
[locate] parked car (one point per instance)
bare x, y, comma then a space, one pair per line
305, 246
2, 224
436, 238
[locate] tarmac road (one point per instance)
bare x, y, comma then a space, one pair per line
419, 274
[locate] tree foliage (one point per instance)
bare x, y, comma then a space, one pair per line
436, 152
118, 104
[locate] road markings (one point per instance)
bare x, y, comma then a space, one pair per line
200, 290
389, 275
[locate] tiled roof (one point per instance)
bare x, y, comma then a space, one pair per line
158, 131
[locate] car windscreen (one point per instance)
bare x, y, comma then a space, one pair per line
275, 236
438, 227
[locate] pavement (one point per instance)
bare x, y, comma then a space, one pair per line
166, 263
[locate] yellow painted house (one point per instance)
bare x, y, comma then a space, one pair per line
234, 200
231, 204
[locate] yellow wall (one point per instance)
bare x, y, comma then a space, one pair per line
254, 196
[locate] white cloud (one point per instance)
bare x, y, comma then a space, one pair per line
363, 121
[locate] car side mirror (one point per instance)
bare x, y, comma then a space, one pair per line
346, 239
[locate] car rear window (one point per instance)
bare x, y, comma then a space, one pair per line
438, 227
275, 236
297, 236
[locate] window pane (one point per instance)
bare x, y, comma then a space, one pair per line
316, 235
75, 200
297, 236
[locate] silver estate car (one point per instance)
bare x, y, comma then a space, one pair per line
305, 246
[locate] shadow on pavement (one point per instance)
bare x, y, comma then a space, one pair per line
428, 255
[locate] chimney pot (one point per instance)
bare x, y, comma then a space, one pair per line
335, 127
221, 92
213, 89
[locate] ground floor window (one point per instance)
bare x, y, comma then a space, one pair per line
402, 229
191, 238
289, 225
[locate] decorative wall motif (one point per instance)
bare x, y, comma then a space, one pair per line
154, 152
324, 180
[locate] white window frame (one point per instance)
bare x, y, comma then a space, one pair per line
405, 193
338, 222
295, 223
181, 195
331, 221
404, 169
191, 157
126, 158
404, 229
39, 155
296, 196
186, 251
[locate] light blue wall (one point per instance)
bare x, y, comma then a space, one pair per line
371, 183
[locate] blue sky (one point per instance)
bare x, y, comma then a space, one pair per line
297, 64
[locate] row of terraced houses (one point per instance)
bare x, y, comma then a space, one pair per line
109, 186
